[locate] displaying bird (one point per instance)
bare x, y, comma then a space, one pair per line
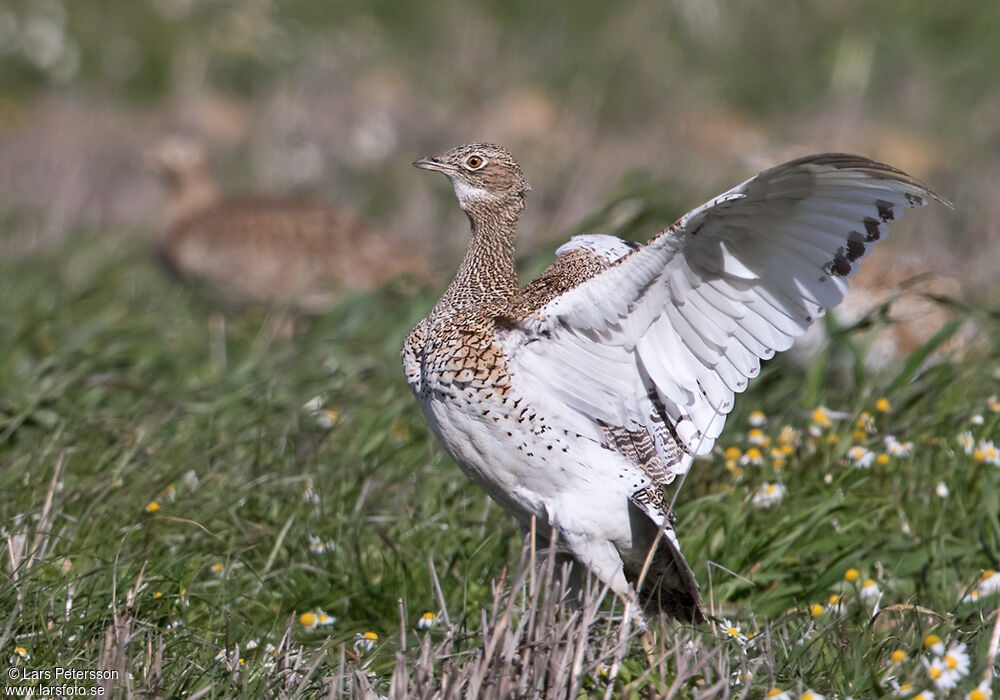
267, 249
576, 399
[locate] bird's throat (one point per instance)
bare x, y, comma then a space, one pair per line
487, 273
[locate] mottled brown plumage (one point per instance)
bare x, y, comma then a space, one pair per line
264, 249
453, 357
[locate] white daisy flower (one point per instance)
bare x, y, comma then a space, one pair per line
364, 643
251, 645
933, 643
732, 631
980, 692
318, 546
923, 695
426, 621
989, 582
820, 420
808, 694
778, 694
977, 419
308, 620
756, 436
788, 436
310, 494
966, 442
941, 676
314, 404
768, 495
987, 452
752, 456
870, 591
896, 448
956, 658
757, 419
327, 418
324, 620
941, 489
861, 457
971, 597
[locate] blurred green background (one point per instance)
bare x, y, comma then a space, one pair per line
664, 101
624, 116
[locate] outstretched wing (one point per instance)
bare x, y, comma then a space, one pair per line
648, 353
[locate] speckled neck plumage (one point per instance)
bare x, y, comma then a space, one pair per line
487, 275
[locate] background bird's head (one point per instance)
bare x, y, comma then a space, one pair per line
482, 173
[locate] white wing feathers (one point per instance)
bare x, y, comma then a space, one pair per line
667, 336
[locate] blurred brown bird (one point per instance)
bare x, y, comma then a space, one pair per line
260, 249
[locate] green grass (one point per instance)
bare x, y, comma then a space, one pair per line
117, 386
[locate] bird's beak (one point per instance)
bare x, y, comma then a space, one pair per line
432, 164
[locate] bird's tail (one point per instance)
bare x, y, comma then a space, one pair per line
668, 584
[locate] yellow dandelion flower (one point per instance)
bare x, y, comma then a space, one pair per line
753, 456
883, 405
859, 435
733, 452
816, 609
371, 636
979, 455
977, 694
931, 639
851, 575
22, 652
779, 463
833, 599
832, 439
152, 507
757, 418
308, 620
897, 656
217, 567
788, 449
882, 460
158, 594
243, 662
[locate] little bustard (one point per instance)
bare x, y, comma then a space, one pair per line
267, 249
576, 399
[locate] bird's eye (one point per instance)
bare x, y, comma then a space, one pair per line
474, 162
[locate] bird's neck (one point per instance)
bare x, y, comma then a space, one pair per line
189, 194
487, 273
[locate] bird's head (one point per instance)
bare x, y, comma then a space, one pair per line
482, 174
178, 161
